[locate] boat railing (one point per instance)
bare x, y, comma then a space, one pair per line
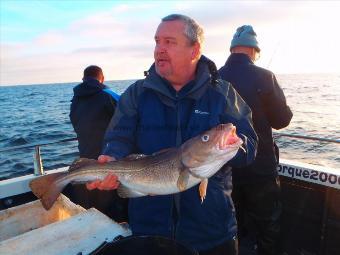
37, 160
34, 145
322, 175
276, 134
39, 170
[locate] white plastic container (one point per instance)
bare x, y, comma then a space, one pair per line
64, 229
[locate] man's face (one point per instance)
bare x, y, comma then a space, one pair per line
173, 53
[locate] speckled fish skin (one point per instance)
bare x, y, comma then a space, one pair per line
165, 172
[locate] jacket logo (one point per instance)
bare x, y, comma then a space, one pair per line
201, 112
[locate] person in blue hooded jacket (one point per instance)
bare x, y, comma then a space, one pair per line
92, 108
181, 97
256, 188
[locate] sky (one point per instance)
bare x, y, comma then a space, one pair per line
52, 41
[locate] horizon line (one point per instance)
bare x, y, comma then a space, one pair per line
135, 79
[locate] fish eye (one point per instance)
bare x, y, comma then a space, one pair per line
205, 138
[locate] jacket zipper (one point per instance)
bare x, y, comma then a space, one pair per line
176, 197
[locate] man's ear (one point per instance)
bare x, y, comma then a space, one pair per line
195, 51
100, 78
253, 54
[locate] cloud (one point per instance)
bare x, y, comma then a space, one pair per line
120, 38
111, 39
50, 38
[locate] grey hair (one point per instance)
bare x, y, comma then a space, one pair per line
193, 31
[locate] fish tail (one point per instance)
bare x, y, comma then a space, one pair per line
47, 189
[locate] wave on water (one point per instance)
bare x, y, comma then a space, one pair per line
14, 141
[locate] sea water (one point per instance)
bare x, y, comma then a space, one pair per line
39, 114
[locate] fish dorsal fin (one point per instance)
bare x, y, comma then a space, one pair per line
134, 157
139, 156
81, 162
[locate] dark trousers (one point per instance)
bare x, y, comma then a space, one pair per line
258, 211
229, 247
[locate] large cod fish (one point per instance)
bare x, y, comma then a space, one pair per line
165, 172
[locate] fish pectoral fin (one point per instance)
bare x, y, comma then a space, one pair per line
126, 192
81, 162
183, 179
203, 189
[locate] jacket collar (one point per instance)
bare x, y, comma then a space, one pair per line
239, 58
90, 86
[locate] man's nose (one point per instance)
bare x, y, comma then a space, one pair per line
159, 48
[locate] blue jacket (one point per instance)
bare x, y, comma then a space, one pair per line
261, 91
92, 107
152, 116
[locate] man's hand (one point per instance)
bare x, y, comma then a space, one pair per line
105, 158
110, 182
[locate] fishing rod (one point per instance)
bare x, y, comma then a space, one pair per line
322, 139
273, 53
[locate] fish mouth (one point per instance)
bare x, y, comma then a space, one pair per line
229, 139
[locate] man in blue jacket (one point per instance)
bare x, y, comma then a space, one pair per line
256, 190
92, 108
181, 97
